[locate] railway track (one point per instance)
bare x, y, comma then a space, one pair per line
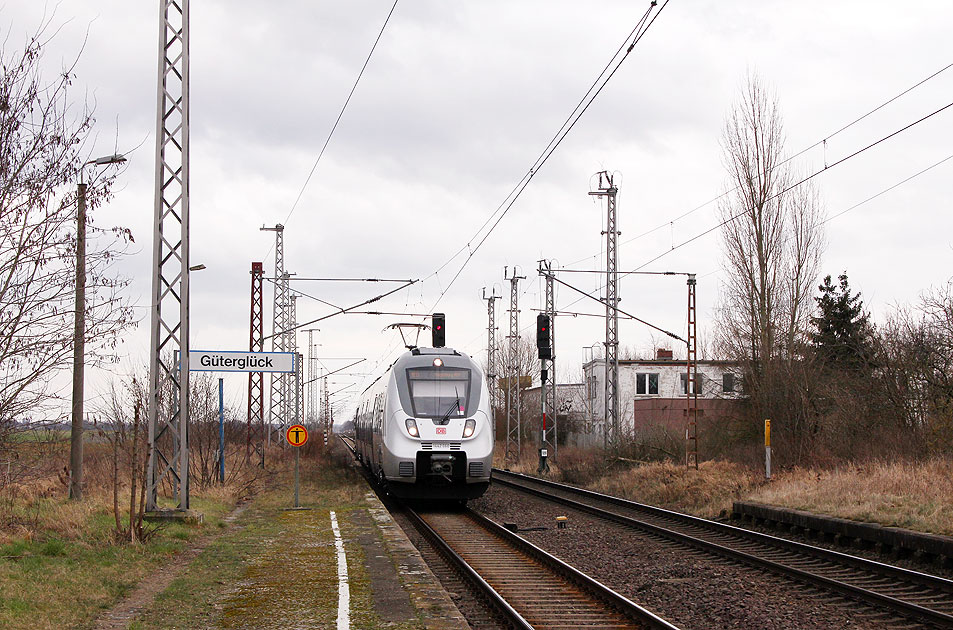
517, 583
527, 586
909, 595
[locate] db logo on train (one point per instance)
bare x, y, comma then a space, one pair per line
297, 435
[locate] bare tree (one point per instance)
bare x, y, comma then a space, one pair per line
772, 240
916, 368
43, 140
527, 364
124, 429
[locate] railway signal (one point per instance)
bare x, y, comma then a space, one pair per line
439, 331
542, 337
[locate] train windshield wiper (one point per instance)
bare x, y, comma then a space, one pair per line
455, 405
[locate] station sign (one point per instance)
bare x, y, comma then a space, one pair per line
237, 361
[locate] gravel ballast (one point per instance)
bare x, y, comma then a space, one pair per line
688, 588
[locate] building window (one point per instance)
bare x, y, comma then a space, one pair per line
727, 382
593, 383
646, 384
699, 386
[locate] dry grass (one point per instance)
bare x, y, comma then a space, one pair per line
916, 495
708, 491
54, 550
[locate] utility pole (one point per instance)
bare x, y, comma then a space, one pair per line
611, 413
327, 410
545, 355
281, 338
297, 392
546, 270
169, 345
79, 333
691, 382
491, 349
312, 416
256, 333
513, 433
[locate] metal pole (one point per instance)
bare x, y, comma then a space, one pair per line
221, 430
543, 464
297, 376
611, 415
767, 449
491, 350
513, 429
255, 344
79, 349
297, 455
551, 403
691, 385
169, 383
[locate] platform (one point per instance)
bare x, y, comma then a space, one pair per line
393, 562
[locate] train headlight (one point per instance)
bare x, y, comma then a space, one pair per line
412, 427
469, 427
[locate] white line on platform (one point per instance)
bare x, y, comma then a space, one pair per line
344, 590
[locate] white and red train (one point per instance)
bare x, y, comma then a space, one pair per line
425, 427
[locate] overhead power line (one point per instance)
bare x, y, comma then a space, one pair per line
796, 184
872, 197
481, 235
619, 310
888, 189
343, 311
820, 142
340, 114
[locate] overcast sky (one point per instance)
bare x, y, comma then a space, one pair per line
456, 103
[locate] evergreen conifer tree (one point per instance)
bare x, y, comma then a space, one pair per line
843, 334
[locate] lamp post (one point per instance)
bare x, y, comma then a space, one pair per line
79, 331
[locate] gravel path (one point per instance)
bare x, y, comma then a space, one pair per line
687, 588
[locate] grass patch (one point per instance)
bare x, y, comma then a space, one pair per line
43, 575
708, 491
276, 564
915, 495
60, 564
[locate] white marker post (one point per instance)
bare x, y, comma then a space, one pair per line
767, 449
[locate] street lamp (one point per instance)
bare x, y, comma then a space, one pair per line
79, 330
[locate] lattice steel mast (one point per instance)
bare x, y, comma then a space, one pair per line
491, 349
280, 401
691, 382
327, 409
312, 412
169, 346
546, 270
513, 433
297, 392
611, 415
256, 391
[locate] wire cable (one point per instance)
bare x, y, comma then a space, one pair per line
340, 115
821, 142
793, 186
581, 107
872, 197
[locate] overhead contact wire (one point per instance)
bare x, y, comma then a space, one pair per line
636, 35
798, 154
793, 186
341, 113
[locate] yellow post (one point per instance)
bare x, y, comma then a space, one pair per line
767, 449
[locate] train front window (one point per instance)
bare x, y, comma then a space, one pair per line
439, 392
